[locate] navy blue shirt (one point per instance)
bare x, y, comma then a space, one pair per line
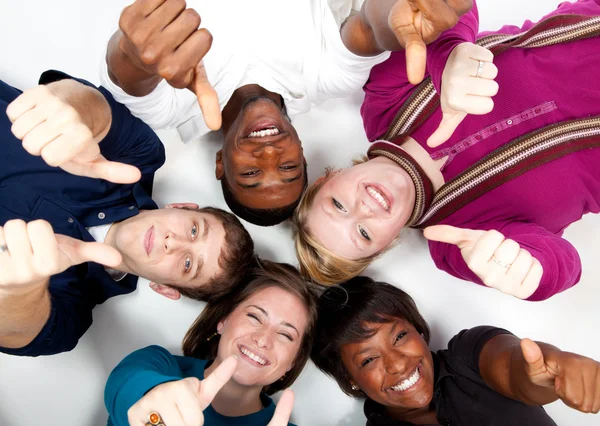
30, 190
147, 368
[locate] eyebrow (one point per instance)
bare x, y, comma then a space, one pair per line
206, 228
257, 184
287, 324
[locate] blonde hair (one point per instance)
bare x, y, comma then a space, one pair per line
317, 262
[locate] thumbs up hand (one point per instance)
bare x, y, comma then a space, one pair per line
574, 378
162, 38
467, 88
500, 263
50, 127
30, 253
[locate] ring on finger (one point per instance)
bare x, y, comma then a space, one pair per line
154, 419
480, 69
4, 249
500, 263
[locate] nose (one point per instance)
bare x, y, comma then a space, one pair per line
395, 363
363, 209
267, 151
173, 242
262, 339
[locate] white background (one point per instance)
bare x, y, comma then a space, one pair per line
67, 389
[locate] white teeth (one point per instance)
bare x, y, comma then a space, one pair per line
264, 132
253, 356
408, 383
378, 197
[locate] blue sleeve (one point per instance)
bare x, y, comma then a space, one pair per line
136, 375
129, 139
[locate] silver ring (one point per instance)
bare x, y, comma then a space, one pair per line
3, 249
500, 263
480, 69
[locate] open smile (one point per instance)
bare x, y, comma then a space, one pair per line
380, 196
408, 383
253, 357
149, 240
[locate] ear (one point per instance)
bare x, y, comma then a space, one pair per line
220, 326
192, 206
220, 170
163, 290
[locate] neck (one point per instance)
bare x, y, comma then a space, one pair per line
430, 167
234, 400
416, 416
239, 98
111, 240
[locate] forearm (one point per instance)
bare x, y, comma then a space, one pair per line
88, 102
367, 33
125, 73
23, 314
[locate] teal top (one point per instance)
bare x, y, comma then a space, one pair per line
147, 368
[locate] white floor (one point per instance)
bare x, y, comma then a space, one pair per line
67, 389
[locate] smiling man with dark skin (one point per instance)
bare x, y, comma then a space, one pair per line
258, 76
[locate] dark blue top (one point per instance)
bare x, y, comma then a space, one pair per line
30, 190
147, 368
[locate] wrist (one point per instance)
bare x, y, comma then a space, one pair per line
30, 290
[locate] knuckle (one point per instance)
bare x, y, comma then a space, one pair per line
191, 17
150, 55
50, 158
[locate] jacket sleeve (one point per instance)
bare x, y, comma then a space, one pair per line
439, 50
135, 376
560, 260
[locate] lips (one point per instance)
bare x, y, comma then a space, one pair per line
149, 240
407, 383
380, 196
265, 127
253, 357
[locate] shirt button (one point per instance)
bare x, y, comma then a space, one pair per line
538, 110
478, 137
523, 116
509, 122
131, 208
70, 220
101, 215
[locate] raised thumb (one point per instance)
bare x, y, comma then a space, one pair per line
75, 252
446, 129
533, 356
207, 98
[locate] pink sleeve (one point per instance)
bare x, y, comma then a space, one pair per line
560, 260
439, 50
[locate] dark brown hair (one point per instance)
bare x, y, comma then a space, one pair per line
235, 260
344, 312
267, 274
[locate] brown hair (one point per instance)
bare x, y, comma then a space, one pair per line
316, 262
235, 259
267, 274
345, 311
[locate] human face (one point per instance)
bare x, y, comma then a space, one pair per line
265, 332
262, 158
172, 246
360, 210
394, 367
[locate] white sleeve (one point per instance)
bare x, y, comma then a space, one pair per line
341, 72
164, 108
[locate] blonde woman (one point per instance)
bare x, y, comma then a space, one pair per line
503, 183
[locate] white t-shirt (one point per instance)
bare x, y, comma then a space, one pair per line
290, 47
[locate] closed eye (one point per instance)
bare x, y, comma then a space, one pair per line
367, 361
400, 336
338, 205
287, 336
255, 317
363, 233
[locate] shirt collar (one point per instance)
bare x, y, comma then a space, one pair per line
423, 185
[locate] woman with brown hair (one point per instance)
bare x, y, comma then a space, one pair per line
373, 341
267, 325
501, 178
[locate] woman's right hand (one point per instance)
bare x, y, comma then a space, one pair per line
181, 403
500, 263
463, 90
